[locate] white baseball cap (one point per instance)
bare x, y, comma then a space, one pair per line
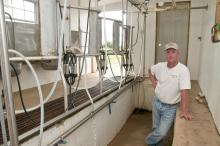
171, 45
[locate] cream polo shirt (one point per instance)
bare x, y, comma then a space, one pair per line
170, 81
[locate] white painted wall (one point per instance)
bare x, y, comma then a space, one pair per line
99, 130
196, 17
209, 78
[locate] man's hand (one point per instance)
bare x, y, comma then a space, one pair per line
152, 79
186, 116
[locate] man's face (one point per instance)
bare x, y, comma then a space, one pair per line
172, 55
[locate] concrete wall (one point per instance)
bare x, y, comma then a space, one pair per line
209, 78
100, 129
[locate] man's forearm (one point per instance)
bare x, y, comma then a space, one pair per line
184, 101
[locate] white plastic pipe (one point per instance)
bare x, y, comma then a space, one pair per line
85, 84
39, 91
121, 69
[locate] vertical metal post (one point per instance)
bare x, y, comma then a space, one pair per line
4, 134
101, 85
6, 79
100, 73
79, 28
65, 94
122, 35
80, 35
144, 55
70, 34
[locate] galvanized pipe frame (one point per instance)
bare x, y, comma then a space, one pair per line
194, 8
110, 19
82, 8
44, 58
6, 79
69, 113
3, 128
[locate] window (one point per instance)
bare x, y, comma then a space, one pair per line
113, 64
22, 10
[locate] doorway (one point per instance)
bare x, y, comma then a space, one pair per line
173, 26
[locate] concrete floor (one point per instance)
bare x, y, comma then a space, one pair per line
201, 131
135, 130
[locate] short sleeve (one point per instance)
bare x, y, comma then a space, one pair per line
185, 79
155, 68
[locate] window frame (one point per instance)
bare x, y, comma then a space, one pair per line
36, 12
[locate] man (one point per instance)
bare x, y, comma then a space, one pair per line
171, 81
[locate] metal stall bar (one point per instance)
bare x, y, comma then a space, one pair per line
2, 118
6, 79
40, 58
201, 7
80, 36
110, 19
83, 8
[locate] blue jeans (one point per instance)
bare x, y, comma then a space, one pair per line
163, 117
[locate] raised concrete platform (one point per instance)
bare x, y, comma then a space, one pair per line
201, 131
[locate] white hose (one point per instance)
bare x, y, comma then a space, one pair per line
39, 91
121, 69
59, 69
85, 84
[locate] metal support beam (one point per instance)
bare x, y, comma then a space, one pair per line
82, 8
6, 79
201, 7
144, 55
3, 128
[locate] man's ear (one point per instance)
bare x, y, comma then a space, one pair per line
178, 52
